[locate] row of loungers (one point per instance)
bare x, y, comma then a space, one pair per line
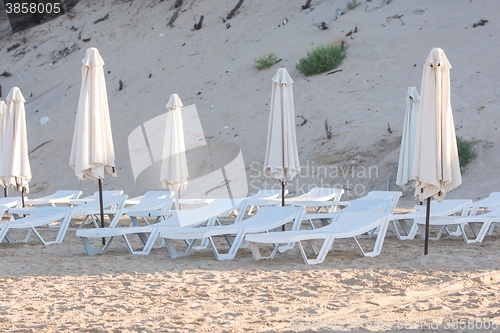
369, 216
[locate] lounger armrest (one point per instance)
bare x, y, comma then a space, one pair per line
314, 203
195, 201
264, 202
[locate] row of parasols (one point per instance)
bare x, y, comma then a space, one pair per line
428, 158
92, 152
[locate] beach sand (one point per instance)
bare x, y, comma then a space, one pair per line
60, 288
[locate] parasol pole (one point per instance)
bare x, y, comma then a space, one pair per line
101, 204
22, 196
283, 161
427, 214
282, 194
179, 196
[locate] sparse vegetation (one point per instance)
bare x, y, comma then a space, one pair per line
322, 59
266, 61
466, 153
353, 4
328, 129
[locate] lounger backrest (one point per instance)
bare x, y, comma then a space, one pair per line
268, 218
491, 203
267, 194
392, 195
154, 200
67, 193
200, 215
320, 194
447, 207
10, 202
357, 223
117, 201
44, 212
367, 205
495, 213
104, 193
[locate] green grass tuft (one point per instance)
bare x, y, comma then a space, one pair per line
266, 61
322, 59
466, 153
353, 4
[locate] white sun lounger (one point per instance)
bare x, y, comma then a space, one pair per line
377, 201
136, 200
490, 203
384, 202
347, 226
317, 197
152, 200
49, 215
491, 219
262, 194
486, 221
8, 203
174, 219
58, 198
267, 218
95, 196
438, 209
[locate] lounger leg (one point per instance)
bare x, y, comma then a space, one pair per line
149, 244
404, 226
40, 237
115, 219
297, 221
204, 242
378, 242
9, 239
421, 230
255, 251
254, 247
63, 228
134, 221
455, 233
410, 232
131, 250
472, 226
232, 250
482, 232
466, 239
4, 233
413, 232
173, 252
142, 236
313, 246
88, 247
398, 234
325, 222
327, 245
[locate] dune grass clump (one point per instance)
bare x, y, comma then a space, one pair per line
353, 4
466, 153
266, 61
321, 59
